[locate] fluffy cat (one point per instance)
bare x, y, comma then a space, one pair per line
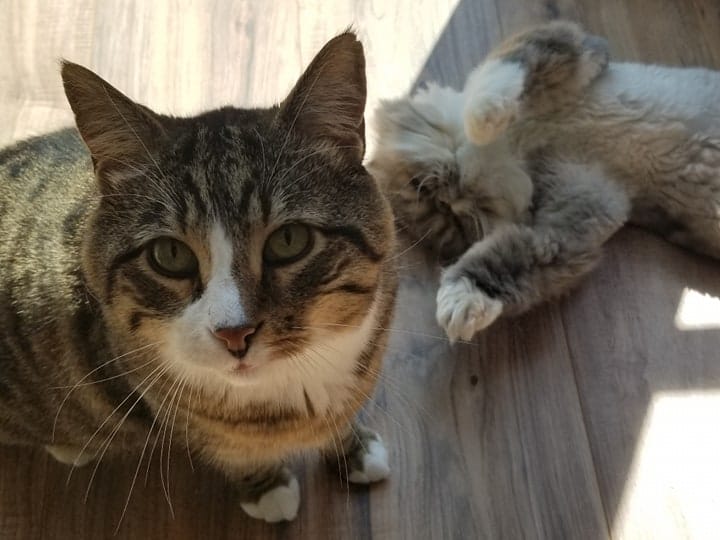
548, 150
234, 267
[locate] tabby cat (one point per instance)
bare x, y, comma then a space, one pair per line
234, 267
547, 152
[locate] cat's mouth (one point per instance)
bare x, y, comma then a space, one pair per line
243, 369
254, 361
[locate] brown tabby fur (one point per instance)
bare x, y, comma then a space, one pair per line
86, 322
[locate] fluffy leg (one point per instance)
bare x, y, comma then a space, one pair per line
576, 209
271, 494
364, 455
537, 71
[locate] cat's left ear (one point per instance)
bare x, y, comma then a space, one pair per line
328, 101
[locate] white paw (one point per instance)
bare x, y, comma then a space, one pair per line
492, 100
279, 504
488, 117
375, 465
69, 455
462, 309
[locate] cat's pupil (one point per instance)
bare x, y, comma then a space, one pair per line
173, 257
287, 236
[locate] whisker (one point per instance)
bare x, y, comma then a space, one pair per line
382, 375
163, 429
300, 366
368, 399
116, 429
294, 121
170, 436
82, 450
303, 158
399, 393
398, 330
403, 252
137, 469
158, 415
194, 392
117, 376
142, 143
77, 384
345, 464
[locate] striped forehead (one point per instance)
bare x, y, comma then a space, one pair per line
248, 177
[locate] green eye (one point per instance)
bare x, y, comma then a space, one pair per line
288, 244
172, 258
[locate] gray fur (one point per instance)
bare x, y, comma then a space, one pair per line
550, 149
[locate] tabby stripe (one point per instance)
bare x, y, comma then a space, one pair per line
181, 211
336, 272
39, 188
136, 318
116, 264
308, 405
366, 356
266, 207
152, 215
351, 288
17, 335
73, 220
153, 295
189, 186
246, 194
356, 238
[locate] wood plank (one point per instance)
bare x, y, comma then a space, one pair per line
630, 357
501, 425
629, 353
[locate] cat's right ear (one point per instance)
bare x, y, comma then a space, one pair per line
118, 132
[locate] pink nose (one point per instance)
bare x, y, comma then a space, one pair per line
237, 338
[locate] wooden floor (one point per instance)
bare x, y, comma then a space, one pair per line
593, 417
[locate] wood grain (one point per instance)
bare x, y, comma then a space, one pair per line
551, 425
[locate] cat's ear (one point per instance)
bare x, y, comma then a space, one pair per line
118, 132
328, 101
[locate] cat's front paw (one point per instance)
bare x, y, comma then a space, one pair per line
463, 309
492, 100
369, 461
279, 503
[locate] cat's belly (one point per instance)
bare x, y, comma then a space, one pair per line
663, 94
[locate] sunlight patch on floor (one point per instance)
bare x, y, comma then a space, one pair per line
697, 311
673, 486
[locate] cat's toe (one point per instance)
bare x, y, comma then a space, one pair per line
280, 503
370, 462
463, 309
